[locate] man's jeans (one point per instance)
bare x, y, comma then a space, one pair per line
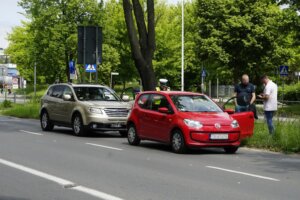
269, 118
239, 108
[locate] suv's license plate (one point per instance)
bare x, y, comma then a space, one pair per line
116, 125
219, 136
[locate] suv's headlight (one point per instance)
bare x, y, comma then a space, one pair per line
95, 110
193, 123
234, 124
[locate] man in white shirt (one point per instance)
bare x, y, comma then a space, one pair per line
269, 96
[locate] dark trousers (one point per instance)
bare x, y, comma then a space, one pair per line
269, 118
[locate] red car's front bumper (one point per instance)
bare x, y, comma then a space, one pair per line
197, 138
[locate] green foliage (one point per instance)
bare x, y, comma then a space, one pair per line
28, 110
6, 104
286, 138
238, 36
50, 36
289, 92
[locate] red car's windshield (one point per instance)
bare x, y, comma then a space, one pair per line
194, 103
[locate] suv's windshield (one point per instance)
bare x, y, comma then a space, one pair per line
95, 94
194, 103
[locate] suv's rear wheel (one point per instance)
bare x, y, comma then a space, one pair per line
46, 124
178, 142
230, 150
132, 137
77, 125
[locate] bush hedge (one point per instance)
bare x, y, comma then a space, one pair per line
291, 92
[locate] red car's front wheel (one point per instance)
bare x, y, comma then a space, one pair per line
178, 142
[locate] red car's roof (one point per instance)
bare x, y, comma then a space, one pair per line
172, 93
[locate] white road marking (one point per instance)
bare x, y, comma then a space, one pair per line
95, 193
65, 183
33, 133
103, 146
243, 173
55, 179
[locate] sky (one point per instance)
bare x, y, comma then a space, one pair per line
10, 17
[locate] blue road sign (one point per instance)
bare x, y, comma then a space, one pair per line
90, 67
284, 70
203, 73
72, 69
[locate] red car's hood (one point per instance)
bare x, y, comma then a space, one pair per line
208, 118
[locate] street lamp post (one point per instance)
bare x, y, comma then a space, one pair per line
182, 46
111, 77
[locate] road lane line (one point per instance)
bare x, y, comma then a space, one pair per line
65, 183
95, 193
243, 173
55, 179
33, 133
103, 146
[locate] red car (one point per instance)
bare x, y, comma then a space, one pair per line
187, 120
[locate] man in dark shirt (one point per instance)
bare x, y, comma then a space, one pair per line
245, 94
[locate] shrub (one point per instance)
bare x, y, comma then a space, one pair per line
291, 92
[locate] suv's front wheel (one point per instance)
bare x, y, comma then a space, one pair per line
46, 124
77, 125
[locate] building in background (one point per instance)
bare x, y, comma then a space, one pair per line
9, 74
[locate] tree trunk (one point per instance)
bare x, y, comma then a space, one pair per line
142, 42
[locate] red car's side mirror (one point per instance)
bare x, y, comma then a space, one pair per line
163, 110
229, 111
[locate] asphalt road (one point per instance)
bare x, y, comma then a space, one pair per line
36, 165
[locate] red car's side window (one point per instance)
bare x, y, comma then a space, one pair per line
143, 101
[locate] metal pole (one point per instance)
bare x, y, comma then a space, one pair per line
34, 86
217, 88
97, 56
111, 80
84, 38
182, 46
209, 87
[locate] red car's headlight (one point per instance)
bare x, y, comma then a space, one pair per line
234, 124
193, 123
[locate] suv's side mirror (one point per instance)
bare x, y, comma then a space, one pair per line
67, 97
229, 111
125, 98
163, 110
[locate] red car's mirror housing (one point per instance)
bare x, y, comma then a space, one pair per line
229, 111
163, 110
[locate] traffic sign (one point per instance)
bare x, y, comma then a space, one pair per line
284, 70
72, 69
203, 73
90, 67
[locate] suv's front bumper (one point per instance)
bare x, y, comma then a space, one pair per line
95, 122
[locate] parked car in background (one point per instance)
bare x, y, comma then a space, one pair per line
83, 107
187, 120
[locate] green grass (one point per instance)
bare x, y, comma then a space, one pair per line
286, 138
28, 110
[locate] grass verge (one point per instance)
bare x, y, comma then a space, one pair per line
286, 138
28, 110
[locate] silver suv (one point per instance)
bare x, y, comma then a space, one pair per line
84, 108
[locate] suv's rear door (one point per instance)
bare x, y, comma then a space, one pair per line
246, 122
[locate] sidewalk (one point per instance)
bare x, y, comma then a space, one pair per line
13, 98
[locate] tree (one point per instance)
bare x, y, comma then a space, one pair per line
142, 42
53, 27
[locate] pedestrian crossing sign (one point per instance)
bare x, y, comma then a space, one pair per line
90, 67
284, 70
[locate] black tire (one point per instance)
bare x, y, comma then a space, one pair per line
178, 142
132, 137
77, 125
231, 150
123, 133
46, 124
